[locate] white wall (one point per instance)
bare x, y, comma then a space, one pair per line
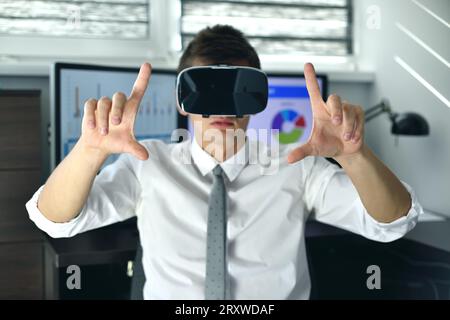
422, 162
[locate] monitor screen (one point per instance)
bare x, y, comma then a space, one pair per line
288, 111
74, 84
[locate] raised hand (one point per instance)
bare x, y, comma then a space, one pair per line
338, 127
108, 123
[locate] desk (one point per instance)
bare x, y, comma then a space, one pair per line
111, 245
413, 267
327, 246
435, 234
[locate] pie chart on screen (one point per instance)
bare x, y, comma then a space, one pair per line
290, 124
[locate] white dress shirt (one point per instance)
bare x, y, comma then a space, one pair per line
267, 209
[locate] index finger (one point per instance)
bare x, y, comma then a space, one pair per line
311, 84
141, 83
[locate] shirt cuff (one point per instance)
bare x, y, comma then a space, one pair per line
53, 229
386, 232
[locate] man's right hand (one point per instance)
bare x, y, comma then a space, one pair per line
108, 123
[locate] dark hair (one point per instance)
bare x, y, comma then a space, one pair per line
219, 44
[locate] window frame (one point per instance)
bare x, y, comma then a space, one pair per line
37, 46
30, 54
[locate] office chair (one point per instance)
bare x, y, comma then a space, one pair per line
138, 277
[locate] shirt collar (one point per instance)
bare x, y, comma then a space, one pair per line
232, 166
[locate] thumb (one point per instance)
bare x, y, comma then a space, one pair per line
137, 150
300, 153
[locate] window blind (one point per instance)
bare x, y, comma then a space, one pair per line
113, 19
298, 27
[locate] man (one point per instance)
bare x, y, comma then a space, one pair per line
180, 204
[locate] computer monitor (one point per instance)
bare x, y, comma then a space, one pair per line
288, 110
73, 84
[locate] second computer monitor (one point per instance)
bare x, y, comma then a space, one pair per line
288, 116
73, 84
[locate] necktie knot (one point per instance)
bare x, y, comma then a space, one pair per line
217, 171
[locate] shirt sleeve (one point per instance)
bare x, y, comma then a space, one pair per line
113, 197
332, 199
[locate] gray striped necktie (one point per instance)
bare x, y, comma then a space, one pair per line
216, 286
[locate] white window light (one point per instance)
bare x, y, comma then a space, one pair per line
306, 28
80, 28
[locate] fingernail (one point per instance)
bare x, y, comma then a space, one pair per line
103, 131
91, 124
347, 136
115, 120
336, 120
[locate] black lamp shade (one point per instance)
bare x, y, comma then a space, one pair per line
409, 124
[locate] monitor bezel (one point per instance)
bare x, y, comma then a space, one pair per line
56, 96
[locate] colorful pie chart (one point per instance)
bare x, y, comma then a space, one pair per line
290, 125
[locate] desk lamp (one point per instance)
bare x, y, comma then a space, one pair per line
409, 123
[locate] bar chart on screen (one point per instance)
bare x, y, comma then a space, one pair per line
156, 118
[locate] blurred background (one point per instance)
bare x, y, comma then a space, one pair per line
391, 57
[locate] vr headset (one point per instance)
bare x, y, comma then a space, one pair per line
222, 90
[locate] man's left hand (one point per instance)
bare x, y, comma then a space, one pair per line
338, 126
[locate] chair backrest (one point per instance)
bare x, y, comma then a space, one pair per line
138, 278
